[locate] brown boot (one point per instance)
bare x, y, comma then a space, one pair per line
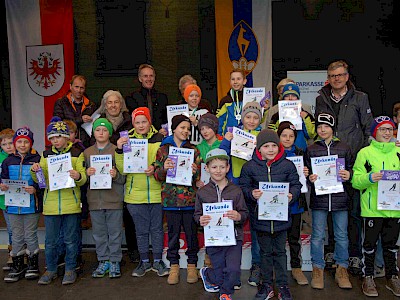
192, 274
173, 277
298, 275
317, 281
342, 278
369, 287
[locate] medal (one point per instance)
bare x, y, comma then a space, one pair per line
238, 117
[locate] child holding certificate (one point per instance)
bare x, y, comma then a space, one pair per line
225, 259
292, 92
24, 218
287, 135
143, 195
269, 165
105, 198
178, 199
381, 154
337, 203
61, 206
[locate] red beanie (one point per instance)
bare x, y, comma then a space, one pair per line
190, 88
141, 111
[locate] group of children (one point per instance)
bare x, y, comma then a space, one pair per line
150, 198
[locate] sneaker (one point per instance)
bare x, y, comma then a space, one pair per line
225, 297
284, 293
393, 285
160, 268
47, 277
102, 269
355, 266
265, 292
255, 273
115, 270
379, 272
141, 269
238, 285
329, 261
69, 277
369, 287
208, 286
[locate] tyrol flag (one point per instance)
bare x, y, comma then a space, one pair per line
244, 41
41, 55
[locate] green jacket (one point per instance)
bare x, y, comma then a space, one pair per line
3, 156
140, 188
64, 201
204, 148
371, 159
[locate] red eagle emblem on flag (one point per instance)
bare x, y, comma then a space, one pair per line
45, 69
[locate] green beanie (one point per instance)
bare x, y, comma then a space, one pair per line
103, 122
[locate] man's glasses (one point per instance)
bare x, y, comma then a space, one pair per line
383, 129
334, 76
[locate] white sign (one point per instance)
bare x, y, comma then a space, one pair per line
273, 204
59, 167
204, 175
136, 161
174, 110
389, 191
221, 230
290, 111
299, 164
183, 159
254, 94
101, 179
16, 194
242, 144
325, 168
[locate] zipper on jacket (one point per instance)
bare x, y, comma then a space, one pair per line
20, 178
270, 180
130, 189
148, 189
369, 200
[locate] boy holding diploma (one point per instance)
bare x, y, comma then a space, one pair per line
225, 259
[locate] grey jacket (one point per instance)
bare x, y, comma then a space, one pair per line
353, 124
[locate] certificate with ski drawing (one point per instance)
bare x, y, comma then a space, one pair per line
273, 205
58, 168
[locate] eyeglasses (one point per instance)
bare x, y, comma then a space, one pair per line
334, 76
383, 129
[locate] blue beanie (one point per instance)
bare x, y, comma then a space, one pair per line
57, 128
291, 89
25, 133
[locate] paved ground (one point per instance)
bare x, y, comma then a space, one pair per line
153, 287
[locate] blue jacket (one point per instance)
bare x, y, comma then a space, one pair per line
18, 168
297, 206
277, 170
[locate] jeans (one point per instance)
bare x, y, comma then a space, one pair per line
341, 252
69, 224
8, 224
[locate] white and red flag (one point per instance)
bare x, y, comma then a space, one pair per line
41, 55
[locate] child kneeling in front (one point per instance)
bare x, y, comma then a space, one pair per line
225, 259
269, 164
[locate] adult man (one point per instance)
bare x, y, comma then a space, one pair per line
149, 97
353, 116
76, 107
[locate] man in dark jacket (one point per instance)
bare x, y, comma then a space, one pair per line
76, 107
353, 116
149, 97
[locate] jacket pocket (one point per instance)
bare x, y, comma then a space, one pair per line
76, 198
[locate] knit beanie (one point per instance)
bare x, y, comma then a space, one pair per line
254, 107
286, 125
379, 121
57, 128
210, 120
25, 133
178, 119
141, 111
103, 122
291, 89
267, 136
325, 118
190, 88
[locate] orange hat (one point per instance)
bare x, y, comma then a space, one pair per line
190, 88
141, 111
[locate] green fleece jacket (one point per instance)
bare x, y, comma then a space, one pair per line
3, 156
372, 159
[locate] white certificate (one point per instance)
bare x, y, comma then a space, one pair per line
254, 94
325, 168
102, 178
299, 163
16, 194
88, 126
174, 110
290, 111
273, 205
183, 159
221, 230
59, 167
204, 176
136, 161
389, 191
242, 144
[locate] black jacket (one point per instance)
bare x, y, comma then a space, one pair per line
278, 170
159, 100
337, 201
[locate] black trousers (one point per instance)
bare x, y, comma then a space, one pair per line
294, 241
